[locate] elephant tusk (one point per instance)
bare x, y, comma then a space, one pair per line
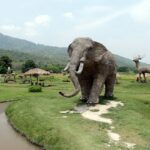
67, 67
81, 66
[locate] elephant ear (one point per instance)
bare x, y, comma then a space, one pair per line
70, 50
100, 51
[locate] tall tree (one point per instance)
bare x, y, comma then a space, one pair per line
5, 62
29, 64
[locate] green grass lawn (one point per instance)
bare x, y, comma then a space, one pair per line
37, 116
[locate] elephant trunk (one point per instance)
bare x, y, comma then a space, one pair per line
71, 94
74, 80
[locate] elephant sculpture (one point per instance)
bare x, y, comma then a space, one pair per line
90, 66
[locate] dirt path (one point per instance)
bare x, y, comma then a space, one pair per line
10, 139
95, 113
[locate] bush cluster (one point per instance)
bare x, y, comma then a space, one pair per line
35, 88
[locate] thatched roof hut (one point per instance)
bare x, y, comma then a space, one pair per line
37, 71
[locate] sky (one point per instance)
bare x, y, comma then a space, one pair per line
122, 26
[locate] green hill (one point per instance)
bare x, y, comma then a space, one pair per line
18, 58
122, 61
56, 54
20, 50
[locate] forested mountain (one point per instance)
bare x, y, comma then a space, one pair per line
18, 58
21, 50
56, 54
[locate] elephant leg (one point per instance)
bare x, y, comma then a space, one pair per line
85, 85
96, 89
109, 85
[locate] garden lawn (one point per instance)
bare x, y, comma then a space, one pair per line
37, 115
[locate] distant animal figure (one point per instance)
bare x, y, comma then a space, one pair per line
91, 66
141, 70
10, 76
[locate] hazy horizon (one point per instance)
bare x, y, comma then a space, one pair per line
122, 26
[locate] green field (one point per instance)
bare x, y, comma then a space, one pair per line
37, 116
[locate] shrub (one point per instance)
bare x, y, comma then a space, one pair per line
123, 69
35, 88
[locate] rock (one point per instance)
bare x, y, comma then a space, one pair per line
64, 112
130, 145
113, 136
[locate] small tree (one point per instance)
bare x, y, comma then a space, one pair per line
56, 68
5, 62
29, 64
123, 69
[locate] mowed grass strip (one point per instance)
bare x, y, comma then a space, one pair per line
37, 116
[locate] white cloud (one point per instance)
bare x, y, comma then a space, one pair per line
42, 19
68, 15
141, 11
9, 28
29, 24
38, 21
97, 23
30, 32
25, 30
28, 28
96, 8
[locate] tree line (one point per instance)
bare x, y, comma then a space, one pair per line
6, 61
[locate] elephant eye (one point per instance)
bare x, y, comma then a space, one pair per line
90, 48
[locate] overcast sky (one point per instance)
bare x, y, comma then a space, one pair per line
122, 26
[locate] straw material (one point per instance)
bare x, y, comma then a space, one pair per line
37, 71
